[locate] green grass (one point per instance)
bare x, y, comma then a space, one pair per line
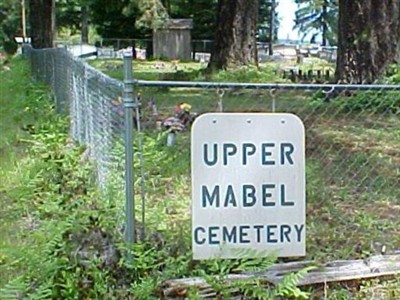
22, 105
11, 111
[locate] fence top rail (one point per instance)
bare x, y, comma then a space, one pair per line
288, 86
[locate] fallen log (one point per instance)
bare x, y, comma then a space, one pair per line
335, 271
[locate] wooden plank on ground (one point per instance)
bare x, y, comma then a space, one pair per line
335, 271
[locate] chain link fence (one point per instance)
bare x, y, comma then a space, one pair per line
91, 99
352, 142
352, 155
352, 131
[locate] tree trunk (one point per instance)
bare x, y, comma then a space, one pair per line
42, 23
369, 35
235, 37
84, 24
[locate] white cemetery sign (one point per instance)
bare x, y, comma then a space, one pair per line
248, 185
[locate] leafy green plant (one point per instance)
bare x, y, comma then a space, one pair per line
288, 286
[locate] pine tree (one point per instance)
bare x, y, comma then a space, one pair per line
318, 17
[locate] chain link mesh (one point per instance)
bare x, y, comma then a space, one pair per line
352, 131
90, 98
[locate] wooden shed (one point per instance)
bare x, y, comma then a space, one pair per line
173, 40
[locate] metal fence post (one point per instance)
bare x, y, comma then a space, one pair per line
129, 106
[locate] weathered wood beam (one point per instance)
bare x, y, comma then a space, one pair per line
335, 271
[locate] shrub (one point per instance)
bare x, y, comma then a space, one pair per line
10, 47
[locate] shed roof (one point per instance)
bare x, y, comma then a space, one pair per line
178, 24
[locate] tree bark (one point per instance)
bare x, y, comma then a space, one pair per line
42, 23
84, 24
235, 37
369, 35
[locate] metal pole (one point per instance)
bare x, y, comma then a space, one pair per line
129, 106
141, 161
272, 93
23, 17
